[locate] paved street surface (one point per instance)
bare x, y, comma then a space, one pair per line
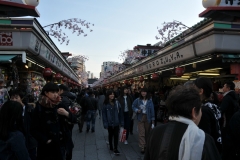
93, 146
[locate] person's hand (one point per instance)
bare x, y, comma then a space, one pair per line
49, 141
62, 111
139, 111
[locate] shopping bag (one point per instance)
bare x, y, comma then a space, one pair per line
122, 135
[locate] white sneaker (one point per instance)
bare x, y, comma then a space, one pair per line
125, 142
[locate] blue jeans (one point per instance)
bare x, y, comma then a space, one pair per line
91, 116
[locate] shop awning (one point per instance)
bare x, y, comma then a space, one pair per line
231, 58
5, 58
14, 53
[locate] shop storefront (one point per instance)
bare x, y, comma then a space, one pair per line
207, 49
25, 52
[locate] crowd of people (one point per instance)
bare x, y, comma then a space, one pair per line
199, 126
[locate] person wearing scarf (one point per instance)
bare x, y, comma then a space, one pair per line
50, 124
181, 139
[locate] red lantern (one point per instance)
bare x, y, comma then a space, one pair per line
65, 79
155, 76
126, 82
132, 81
141, 79
58, 76
179, 71
47, 72
69, 81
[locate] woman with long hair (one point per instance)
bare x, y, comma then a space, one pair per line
210, 112
126, 102
112, 119
12, 140
50, 124
144, 108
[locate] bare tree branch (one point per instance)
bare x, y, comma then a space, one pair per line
74, 24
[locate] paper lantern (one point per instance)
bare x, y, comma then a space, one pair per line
155, 76
58, 76
210, 3
132, 81
141, 79
32, 2
179, 71
126, 82
47, 72
65, 79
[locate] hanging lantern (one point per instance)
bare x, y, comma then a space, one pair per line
126, 82
141, 79
69, 81
132, 81
210, 3
58, 76
47, 72
179, 71
32, 2
65, 79
155, 76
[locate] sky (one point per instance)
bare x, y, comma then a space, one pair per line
118, 24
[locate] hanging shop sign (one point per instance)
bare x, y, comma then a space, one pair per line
220, 3
6, 39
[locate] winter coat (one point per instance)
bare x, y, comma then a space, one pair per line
229, 106
112, 115
149, 109
14, 147
49, 125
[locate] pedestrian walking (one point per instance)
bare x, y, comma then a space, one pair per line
144, 108
126, 103
50, 124
91, 105
12, 140
112, 118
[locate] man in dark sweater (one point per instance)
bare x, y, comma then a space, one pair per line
181, 139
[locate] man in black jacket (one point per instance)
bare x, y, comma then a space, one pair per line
67, 100
31, 143
91, 105
228, 107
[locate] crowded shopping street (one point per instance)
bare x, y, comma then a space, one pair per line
120, 80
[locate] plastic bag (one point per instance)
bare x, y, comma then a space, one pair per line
122, 134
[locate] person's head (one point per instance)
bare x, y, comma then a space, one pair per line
189, 83
63, 88
90, 93
228, 86
109, 97
50, 90
205, 87
124, 91
144, 93
185, 101
16, 95
10, 118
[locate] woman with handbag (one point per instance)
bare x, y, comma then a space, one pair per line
112, 118
144, 108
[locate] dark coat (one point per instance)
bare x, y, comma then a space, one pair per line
229, 106
14, 147
91, 103
49, 125
27, 120
112, 115
67, 98
129, 104
164, 142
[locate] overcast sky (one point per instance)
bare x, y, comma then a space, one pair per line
118, 24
